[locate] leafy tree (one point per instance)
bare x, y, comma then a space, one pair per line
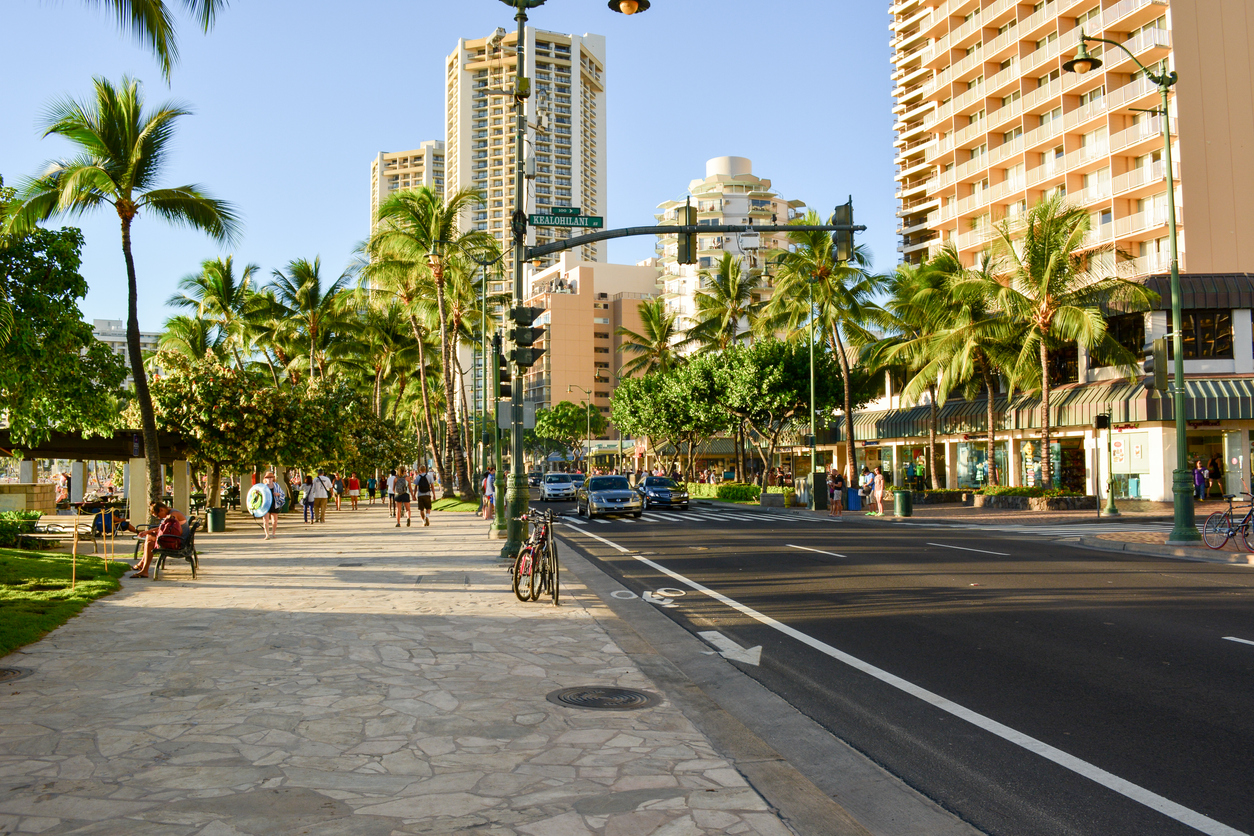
151, 22
191, 337
568, 424
313, 308
657, 348
639, 409
677, 408
727, 296
222, 299
1041, 280
122, 151
54, 374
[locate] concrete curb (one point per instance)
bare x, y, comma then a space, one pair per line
1181, 552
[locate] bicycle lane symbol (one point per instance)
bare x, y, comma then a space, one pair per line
661, 597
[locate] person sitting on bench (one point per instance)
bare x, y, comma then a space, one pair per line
160, 511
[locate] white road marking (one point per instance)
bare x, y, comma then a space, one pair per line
819, 551
728, 649
1235, 639
965, 549
602, 522
606, 542
573, 521
1139, 794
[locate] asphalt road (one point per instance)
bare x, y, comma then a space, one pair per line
1026, 685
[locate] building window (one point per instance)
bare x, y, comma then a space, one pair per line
1207, 333
1064, 365
1129, 331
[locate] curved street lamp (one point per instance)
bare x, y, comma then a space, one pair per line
629, 7
1184, 527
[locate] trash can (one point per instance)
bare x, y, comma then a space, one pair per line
903, 503
853, 499
215, 519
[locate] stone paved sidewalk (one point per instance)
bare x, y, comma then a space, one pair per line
349, 678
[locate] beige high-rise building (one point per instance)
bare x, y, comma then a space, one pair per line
730, 193
394, 171
988, 123
566, 135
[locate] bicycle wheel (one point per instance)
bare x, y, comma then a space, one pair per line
1246, 534
1217, 529
540, 575
524, 568
554, 572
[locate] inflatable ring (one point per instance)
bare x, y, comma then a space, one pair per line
259, 500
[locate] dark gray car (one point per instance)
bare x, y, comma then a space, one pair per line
661, 492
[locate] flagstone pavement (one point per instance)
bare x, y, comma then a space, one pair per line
348, 678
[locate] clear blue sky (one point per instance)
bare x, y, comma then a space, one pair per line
292, 101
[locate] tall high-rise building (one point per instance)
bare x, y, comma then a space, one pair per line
394, 171
566, 137
988, 123
729, 194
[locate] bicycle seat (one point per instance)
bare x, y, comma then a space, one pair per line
1230, 496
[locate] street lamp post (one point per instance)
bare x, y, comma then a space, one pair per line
588, 416
814, 503
1184, 527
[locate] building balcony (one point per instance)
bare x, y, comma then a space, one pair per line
1146, 265
1131, 14
1132, 141
1150, 46
1144, 226
1141, 182
1045, 176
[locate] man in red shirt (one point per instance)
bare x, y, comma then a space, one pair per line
354, 490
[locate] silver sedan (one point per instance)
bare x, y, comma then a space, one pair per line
607, 495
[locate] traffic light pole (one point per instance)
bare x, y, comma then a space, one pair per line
561, 245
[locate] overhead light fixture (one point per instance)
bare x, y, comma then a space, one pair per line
1083, 61
629, 7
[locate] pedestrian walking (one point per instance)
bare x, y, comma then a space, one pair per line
877, 490
401, 486
354, 490
835, 493
489, 494
372, 485
423, 490
337, 486
1199, 481
270, 522
320, 490
1214, 472
391, 492
306, 500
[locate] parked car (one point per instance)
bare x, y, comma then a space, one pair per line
557, 486
607, 495
661, 492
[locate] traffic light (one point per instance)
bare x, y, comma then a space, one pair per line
503, 380
1156, 363
523, 335
687, 250
842, 239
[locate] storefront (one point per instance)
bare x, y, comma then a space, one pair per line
973, 464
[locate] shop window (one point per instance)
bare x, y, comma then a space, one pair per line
1064, 365
1129, 331
1206, 333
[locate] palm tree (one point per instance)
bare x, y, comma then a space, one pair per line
841, 290
421, 224
315, 311
122, 150
191, 337
218, 295
727, 296
1043, 283
657, 346
149, 21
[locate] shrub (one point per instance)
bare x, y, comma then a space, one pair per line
1004, 490
13, 524
737, 492
701, 489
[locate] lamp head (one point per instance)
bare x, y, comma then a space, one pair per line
629, 7
1083, 61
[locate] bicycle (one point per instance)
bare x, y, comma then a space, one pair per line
1219, 527
535, 570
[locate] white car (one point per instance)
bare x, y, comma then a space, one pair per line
557, 486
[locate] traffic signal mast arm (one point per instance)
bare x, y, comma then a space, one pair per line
627, 232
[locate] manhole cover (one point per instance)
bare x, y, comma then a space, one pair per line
603, 699
10, 674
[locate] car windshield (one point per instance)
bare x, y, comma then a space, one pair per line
609, 483
557, 479
659, 482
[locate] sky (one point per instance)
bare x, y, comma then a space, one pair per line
293, 100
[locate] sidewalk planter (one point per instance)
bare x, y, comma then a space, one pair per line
771, 500
1037, 503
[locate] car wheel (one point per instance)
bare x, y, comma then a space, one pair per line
644, 502
637, 514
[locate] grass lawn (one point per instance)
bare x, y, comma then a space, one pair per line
35, 594
454, 504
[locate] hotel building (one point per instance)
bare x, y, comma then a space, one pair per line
987, 124
112, 332
394, 171
566, 133
730, 193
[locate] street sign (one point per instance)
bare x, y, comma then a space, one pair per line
568, 211
585, 221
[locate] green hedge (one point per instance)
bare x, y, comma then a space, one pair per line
13, 524
701, 489
737, 492
1003, 490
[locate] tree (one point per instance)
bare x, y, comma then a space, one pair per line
421, 224
150, 22
191, 337
568, 424
122, 150
54, 374
221, 298
657, 347
315, 311
839, 291
727, 296
1042, 281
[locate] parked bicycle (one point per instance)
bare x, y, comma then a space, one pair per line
1222, 526
535, 569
